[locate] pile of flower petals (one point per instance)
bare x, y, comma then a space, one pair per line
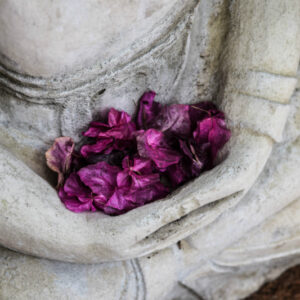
127, 163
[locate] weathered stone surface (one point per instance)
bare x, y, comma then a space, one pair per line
260, 256
53, 37
168, 274
58, 72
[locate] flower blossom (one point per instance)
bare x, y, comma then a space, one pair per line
126, 164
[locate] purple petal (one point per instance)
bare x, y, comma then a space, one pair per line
112, 211
100, 178
184, 146
142, 181
100, 201
121, 126
124, 179
116, 118
152, 144
119, 201
73, 204
126, 163
124, 200
213, 131
193, 162
95, 129
137, 173
174, 119
102, 145
186, 169
142, 165
74, 187
148, 110
139, 165
203, 110
118, 134
121, 132
177, 174
59, 157
202, 131
148, 194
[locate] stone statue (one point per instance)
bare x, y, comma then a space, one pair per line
220, 236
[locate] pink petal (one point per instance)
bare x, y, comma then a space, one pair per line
73, 204
59, 157
100, 178
121, 132
174, 119
142, 165
142, 181
152, 144
177, 174
202, 131
74, 187
95, 129
101, 145
124, 179
116, 118
99, 201
119, 202
124, 200
138, 164
148, 194
118, 134
213, 131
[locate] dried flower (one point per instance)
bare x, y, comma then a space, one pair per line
153, 144
75, 195
121, 168
117, 134
59, 157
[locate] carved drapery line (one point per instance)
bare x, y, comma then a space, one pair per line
91, 79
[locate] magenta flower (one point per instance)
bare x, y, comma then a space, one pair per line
213, 131
152, 144
125, 199
100, 178
171, 118
59, 157
117, 134
75, 195
137, 173
102, 145
121, 168
194, 160
119, 203
136, 185
119, 126
174, 119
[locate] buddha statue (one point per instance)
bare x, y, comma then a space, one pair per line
64, 62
